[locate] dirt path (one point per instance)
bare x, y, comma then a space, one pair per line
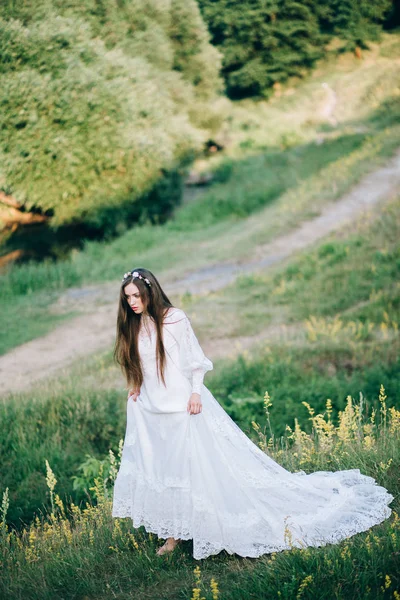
95, 331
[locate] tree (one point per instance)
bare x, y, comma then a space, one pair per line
356, 21
98, 102
267, 41
263, 41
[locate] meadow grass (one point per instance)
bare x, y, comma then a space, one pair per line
82, 552
63, 426
351, 276
356, 273
329, 320
38, 319
282, 165
73, 421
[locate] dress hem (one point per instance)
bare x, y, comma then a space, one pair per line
363, 525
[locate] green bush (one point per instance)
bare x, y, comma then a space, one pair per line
355, 21
99, 102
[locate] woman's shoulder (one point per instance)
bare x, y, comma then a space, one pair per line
174, 315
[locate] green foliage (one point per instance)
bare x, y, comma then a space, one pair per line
91, 468
62, 427
96, 104
194, 57
263, 42
356, 21
303, 375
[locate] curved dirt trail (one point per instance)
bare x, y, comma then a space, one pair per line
95, 331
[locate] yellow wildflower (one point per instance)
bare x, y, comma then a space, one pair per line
214, 589
304, 584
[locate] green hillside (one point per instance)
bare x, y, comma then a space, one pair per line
342, 300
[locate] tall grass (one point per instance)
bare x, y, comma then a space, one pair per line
81, 551
346, 286
303, 374
62, 426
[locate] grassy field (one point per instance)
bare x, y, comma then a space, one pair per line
82, 552
284, 161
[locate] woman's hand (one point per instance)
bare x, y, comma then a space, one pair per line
194, 405
133, 393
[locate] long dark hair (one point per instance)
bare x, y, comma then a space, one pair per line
155, 303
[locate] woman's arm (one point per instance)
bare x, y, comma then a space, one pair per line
195, 363
192, 361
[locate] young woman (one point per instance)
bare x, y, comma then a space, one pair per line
189, 472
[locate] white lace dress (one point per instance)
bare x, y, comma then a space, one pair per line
200, 477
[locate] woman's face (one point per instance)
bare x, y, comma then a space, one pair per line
133, 298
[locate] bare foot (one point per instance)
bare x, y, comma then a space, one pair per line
169, 546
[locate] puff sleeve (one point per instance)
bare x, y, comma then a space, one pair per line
192, 360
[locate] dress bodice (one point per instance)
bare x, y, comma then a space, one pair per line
184, 355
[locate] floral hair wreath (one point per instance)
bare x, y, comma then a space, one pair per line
136, 274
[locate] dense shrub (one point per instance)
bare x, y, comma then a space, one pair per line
100, 100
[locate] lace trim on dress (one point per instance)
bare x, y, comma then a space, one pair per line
212, 533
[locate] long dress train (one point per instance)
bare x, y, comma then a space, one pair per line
200, 477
